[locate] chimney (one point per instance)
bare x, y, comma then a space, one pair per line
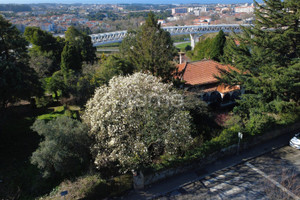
181, 57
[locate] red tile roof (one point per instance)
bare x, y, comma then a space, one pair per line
237, 42
179, 70
180, 67
201, 72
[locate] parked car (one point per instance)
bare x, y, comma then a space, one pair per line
295, 141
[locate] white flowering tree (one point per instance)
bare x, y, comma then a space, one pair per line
135, 119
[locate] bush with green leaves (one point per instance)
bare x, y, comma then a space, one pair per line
64, 150
135, 119
203, 126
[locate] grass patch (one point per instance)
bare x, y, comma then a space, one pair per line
116, 45
58, 111
113, 48
183, 46
50, 116
180, 38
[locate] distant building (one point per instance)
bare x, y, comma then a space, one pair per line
175, 18
225, 10
202, 21
197, 10
47, 27
244, 9
179, 11
160, 21
249, 20
39, 12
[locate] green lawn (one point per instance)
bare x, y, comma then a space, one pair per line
183, 45
111, 45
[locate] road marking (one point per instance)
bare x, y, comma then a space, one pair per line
213, 180
225, 183
273, 181
233, 191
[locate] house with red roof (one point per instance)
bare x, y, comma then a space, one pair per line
202, 21
199, 77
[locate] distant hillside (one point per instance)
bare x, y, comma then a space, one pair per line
15, 7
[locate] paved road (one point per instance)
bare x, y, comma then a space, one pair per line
270, 157
275, 175
185, 42
108, 49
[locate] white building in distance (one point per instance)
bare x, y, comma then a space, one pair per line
244, 9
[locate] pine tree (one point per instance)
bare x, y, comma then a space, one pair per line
217, 47
209, 48
267, 60
83, 43
201, 50
150, 48
70, 60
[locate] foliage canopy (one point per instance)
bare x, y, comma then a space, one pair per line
65, 148
135, 119
209, 48
267, 63
17, 79
150, 49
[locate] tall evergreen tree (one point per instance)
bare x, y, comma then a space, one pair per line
70, 59
83, 43
217, 47
150, 48
201, 50
17, 79
267, 60
209, 48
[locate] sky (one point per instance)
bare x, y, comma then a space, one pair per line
125, 1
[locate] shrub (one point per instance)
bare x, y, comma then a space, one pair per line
65, 148
204, 126
135, 120
43, 101
258, 123
227, 137
92, 186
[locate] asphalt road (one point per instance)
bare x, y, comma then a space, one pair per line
263, 165
274, 175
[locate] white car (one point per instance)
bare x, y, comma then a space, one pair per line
295, 141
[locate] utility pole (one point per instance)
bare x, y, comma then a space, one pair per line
240, 135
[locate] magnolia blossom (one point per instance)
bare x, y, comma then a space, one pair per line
135, 119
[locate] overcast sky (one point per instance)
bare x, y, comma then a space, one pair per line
125, 1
